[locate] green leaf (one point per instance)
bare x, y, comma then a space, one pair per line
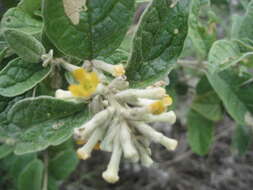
118, 57
17, 19
158, 42
20, 76
3, 103
17, 163
5, 150
246, 27
236, 25
52, 123
229, 87
30, 6
63, 164
242, 139
202, 36
206, 101
87, 30
200, 133
52, 183
31, 176
224, 54
26, 46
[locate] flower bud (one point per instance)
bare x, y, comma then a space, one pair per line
115, 70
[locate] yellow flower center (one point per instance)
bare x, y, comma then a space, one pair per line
160, 106
88, 82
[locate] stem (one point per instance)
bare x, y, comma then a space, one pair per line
45, 182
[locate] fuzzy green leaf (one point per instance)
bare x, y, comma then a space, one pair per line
5, 150
224, 54
25, 45
200, 132
45, 121
88, 28
233, 93
246, 27
31, 176
242, 139
158, 41
20, 76
207, 102
61, 166
30, 6
15, 18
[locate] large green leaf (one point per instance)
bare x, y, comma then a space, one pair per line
24, 45
246, 27
224, 54
158, 41
16, 164
32, 175
206, 101
15, 18
235, 96
63, 164
30, 6
200, 132
88, 28
45, 121
20, 76
242, 139
5, 150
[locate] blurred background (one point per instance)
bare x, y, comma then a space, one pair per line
223, 168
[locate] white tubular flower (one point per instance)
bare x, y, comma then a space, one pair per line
155, 136
69, 67
96, 104
111, 174
168, 117
63, 94
114, 70
129, 150
151, 93
144, 155
98, 120
119, 83
85, 152
107, 143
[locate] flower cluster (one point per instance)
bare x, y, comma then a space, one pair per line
122, 116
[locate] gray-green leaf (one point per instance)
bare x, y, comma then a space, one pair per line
158, 41
5, 150
206, 101
234, 95
25, 45
88, 28
45, 121
15, 18
31, 176
20, 76
246, 27
224, 54
63, 164
242, 139
200, 133
30, 6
